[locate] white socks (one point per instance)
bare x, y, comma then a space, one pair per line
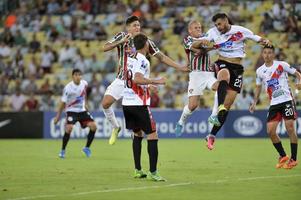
215, 106
110, 115
185, 114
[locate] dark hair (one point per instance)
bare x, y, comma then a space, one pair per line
139, 41
269, 47
131, 19
221, 16
76, 71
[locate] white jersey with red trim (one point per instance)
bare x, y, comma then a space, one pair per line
74, 96
231, 44
275, 80
134, 94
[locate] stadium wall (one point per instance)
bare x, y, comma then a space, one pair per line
240, 124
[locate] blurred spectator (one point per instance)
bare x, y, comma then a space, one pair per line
46, 60
100, 32
34, 45
18, 65
46, 87
17, 101
47, 102
32, 104
8, 38
266, 25
58, 87
20, 40
4, 85
168, 98
110, 65
10, 20
96, 65
280, 55
53, 7
66, 54
5, 50
179, 24
30, 86
243, 101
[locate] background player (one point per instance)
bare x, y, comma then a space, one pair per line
135, 102
229, 40
74, 103
123, 41
201, 75
273, 75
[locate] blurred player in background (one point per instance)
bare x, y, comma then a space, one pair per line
123, 41
200, 77
74, 103
273, 75
135, 103
229, 41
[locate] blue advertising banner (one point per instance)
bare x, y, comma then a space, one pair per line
238, 124
196, 127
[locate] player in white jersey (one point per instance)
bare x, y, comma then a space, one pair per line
74, 103
201, 75
229, 41
124, 43
135, 103
274, 76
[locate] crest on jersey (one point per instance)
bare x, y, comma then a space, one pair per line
190, 91
143, 64
288, 105
70, 119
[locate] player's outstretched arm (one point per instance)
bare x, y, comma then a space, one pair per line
168, 61
256, 97
298, 83
111, 45
59, 112
141, 80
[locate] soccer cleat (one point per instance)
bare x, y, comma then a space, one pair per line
87, 151
214, 120
114, 135
62, 154
210, 141
139, 174
291, 164
282, 161
155, 176
178, 130
222, 108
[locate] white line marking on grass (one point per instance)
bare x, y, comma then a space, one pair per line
157, 186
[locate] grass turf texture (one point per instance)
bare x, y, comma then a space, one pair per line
235, 169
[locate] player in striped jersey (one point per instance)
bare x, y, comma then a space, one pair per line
123, 41
273, 75
201, 75
74, 102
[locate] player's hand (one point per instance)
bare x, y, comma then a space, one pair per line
126, 38
185, 68
252, 107
160, 81
56, 119
204, 42
265, 42
298, 86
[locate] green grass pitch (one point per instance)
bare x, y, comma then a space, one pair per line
242, 169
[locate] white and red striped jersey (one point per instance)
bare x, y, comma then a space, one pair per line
74, 96
128, 49
134, 94
275, 80
232, 43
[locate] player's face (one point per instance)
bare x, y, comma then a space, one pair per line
76, 77
222, 25
134, 28
268, 55
195, 30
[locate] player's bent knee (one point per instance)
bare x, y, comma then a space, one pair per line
152, 136
92, 126
68, 129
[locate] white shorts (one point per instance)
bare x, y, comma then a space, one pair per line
199, 81
115, 89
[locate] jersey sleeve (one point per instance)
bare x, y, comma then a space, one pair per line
187, 42
258, 78
249, 34
153, 49
287, 68
140, 66
65, 95
117, 37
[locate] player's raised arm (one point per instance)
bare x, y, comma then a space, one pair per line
170, 62
116, 41
59, 112
141, 80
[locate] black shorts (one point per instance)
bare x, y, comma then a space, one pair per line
236, 73
139, 118
285, 110
82, 117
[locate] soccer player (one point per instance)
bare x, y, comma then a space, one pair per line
200, 77
273, 75
229, 41
74, 103
123, 41
135, 103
